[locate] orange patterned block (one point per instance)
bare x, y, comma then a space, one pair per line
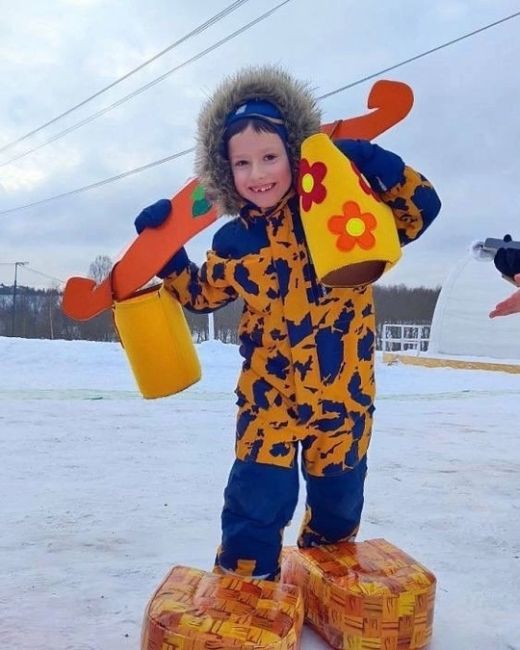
364, 596
196, 610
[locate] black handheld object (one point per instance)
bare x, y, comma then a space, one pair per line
504, 252
506, 256
493, 245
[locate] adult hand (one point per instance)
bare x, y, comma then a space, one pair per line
510, 305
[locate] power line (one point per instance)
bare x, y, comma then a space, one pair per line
147, 86
187, 151
45, 275
420, 56
106, 181
198, 30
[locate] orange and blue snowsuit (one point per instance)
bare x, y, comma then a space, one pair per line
307, 376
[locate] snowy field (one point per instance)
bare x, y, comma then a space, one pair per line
102, 492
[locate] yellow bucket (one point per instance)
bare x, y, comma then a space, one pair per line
157, 341
350, 232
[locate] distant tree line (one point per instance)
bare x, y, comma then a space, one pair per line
38, 314
401, 304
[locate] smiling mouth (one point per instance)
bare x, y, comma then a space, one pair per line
262, 188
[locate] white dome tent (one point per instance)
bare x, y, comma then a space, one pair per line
461, 325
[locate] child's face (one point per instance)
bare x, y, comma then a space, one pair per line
260, 166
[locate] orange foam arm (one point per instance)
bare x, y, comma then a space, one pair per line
391, 101
148, 253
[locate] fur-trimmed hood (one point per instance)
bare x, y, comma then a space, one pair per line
294, 100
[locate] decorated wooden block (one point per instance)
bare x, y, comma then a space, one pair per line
364, 596
350, 232
196, 610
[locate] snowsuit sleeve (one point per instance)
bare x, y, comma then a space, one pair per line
409, 195
414, 204
205, 289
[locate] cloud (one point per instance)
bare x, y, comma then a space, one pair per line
463, 131
13, 180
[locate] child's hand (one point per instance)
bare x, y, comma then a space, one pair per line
382, 169
507, 261
153, 215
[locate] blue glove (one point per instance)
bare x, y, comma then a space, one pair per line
383, 169
153, 216
507, 261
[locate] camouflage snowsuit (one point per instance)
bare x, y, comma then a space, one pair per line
307, 376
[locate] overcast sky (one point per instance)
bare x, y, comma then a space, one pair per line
463, 132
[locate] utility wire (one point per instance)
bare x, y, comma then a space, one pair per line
198, 30
420, 56
147, 86
106, 181
49, 277
187, 151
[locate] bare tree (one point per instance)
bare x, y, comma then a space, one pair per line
100, 268
226, 322
401, 304
100, 328
198, 324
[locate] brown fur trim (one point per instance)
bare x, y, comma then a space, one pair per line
293, 98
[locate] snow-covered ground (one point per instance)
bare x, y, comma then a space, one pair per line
102, 492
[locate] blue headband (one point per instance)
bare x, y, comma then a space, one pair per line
260, 110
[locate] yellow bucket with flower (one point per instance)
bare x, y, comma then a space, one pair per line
350, 232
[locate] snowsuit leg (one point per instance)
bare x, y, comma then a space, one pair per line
333, 507
259, 502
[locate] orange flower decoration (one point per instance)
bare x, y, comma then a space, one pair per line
353, 227
363, 184
310, 183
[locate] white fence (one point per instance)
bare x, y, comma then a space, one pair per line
400, 337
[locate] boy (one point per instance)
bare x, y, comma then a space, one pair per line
307, 378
